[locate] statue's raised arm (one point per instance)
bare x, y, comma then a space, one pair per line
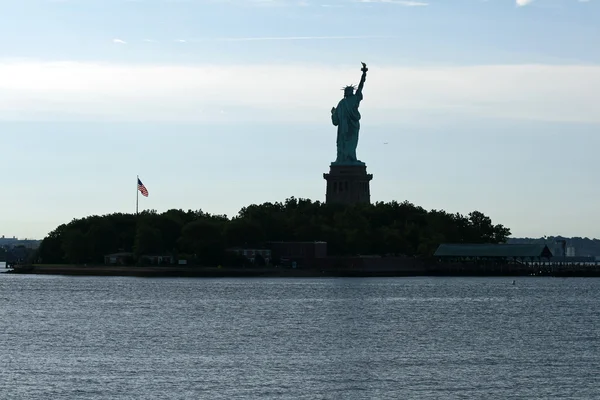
364, 70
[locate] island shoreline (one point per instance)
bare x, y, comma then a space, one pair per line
212, 272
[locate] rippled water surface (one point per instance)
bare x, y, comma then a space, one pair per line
416, 338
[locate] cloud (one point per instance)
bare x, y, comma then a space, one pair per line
283, 38
406, 3
293, 93
521, 3
265, 38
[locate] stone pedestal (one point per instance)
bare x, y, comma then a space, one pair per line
348, 184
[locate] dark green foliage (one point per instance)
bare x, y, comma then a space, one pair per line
381, 228
244, 232
148, 240
204, 239
17, 254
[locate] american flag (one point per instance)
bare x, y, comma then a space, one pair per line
142, 188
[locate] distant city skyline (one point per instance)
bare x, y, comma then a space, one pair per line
469, 105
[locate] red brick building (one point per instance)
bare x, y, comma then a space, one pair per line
300, 254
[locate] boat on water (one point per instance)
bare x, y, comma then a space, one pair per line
18, 267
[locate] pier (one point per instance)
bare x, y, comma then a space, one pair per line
508, 260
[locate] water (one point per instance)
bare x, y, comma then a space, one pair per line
417, 338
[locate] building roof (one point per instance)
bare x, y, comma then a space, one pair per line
493, 250
122, 254
296, 242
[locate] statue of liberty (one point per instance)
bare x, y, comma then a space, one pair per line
347, 119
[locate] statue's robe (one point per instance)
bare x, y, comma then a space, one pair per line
347, 118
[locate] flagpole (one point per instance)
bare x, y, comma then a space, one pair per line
137, 195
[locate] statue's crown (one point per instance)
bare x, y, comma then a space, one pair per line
353, 87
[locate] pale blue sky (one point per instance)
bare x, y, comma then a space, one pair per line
484, 105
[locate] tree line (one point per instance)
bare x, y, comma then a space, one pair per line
381, 228
19, 253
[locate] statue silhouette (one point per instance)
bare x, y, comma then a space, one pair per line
347, 119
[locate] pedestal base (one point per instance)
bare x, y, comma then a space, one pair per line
348, 184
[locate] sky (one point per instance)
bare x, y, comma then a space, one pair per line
217, 104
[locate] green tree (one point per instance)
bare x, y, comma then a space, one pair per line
241, 232
204, 239
148, 240
399, 228
101, 239
75, 246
